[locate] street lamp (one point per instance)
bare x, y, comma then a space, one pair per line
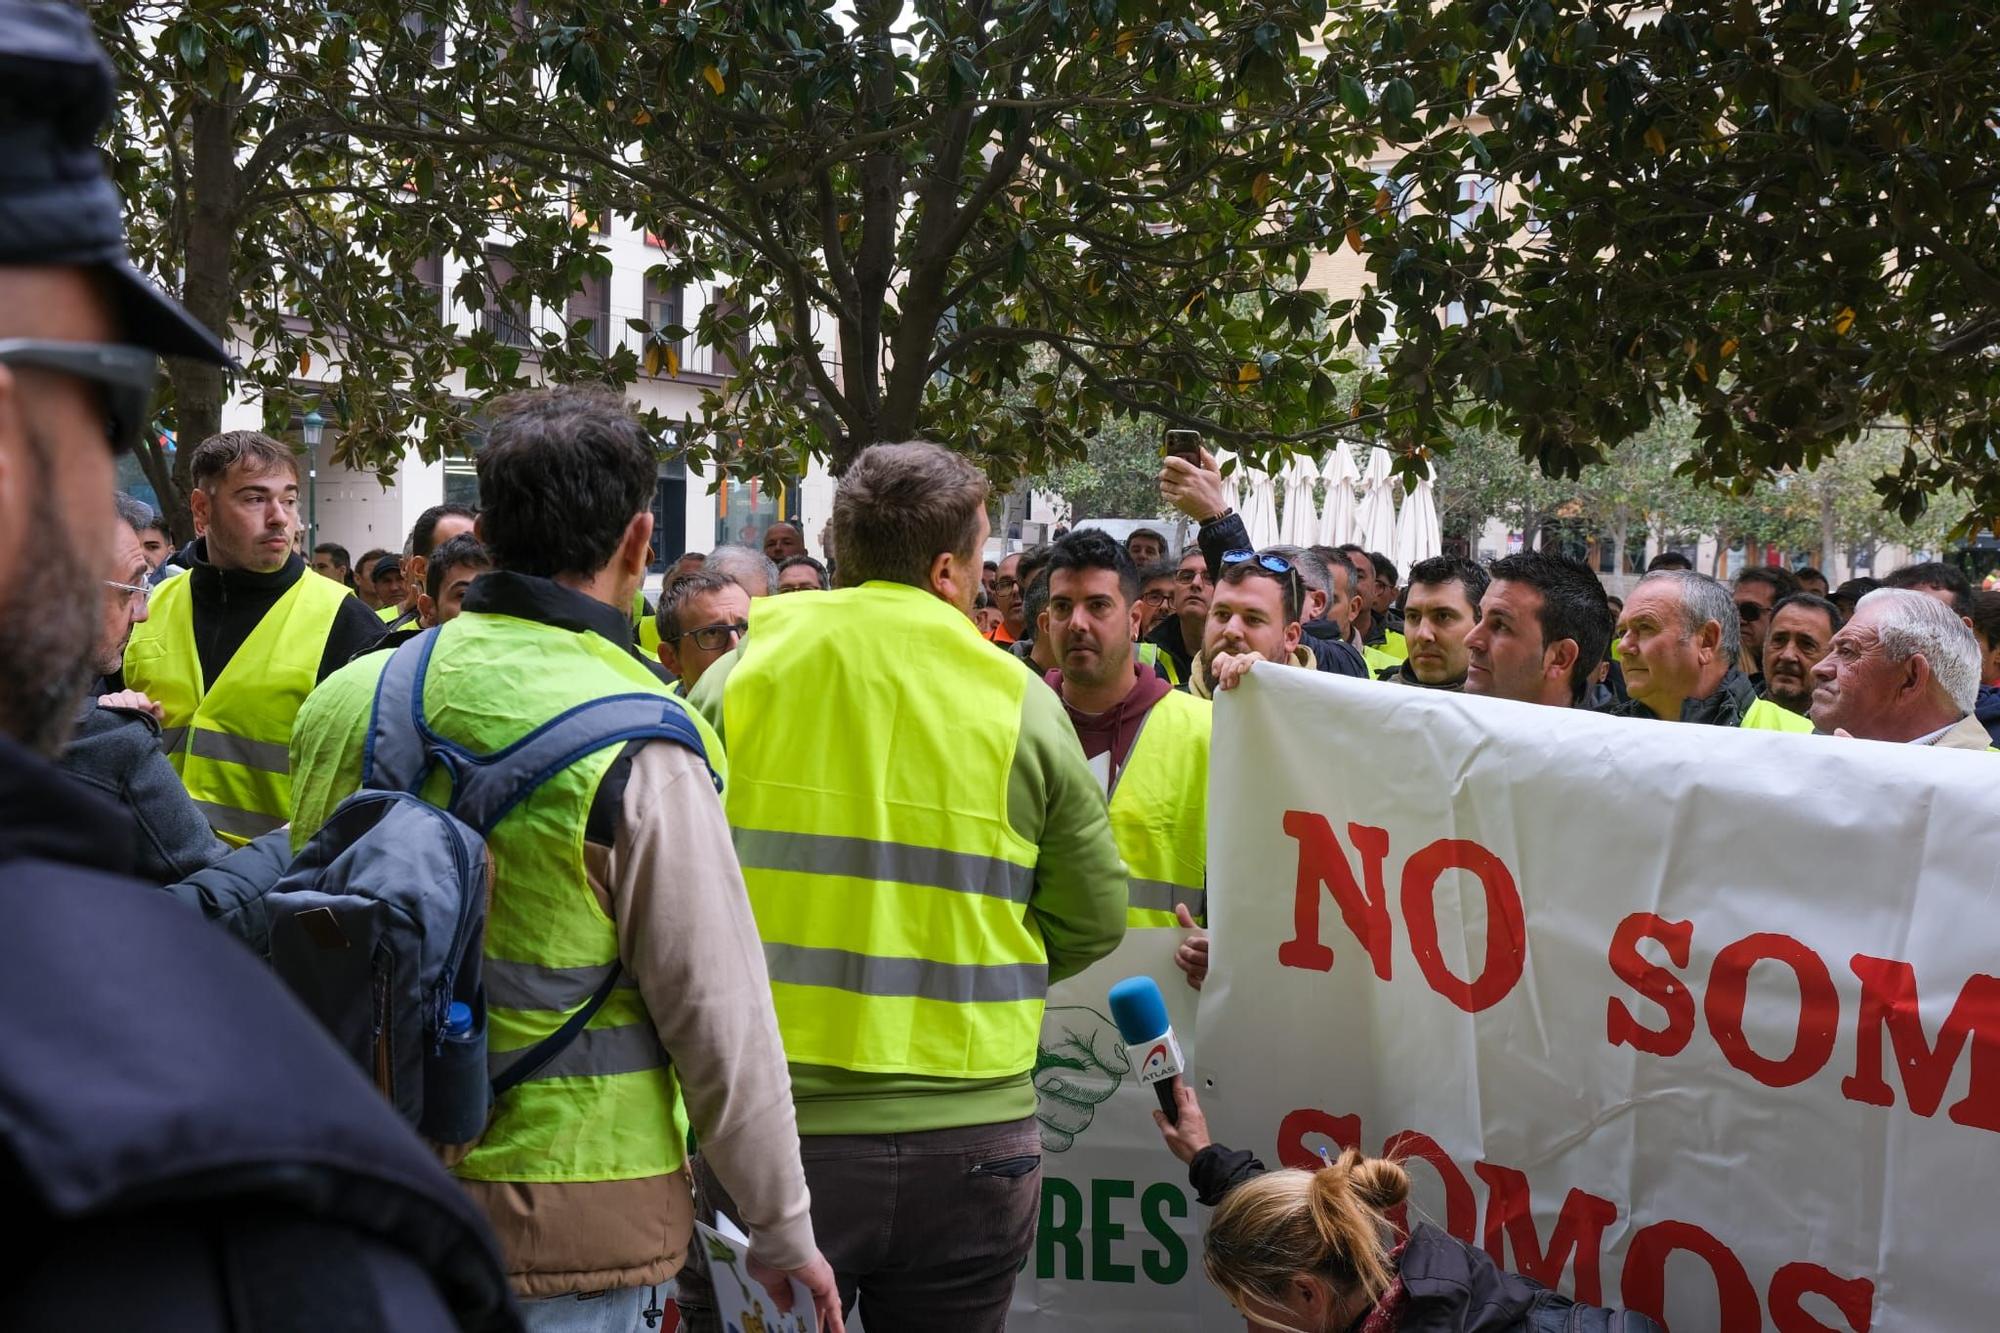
315, 431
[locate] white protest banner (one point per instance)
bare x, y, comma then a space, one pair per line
1118, 1246
1690, 1019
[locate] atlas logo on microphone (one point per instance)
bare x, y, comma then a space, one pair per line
1162, 1060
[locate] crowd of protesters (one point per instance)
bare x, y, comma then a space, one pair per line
792, 940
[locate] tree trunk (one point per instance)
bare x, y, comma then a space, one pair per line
1829, 544
208, 290
1620, 532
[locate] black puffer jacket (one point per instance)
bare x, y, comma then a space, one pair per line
176, 1122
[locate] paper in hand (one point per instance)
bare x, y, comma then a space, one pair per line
741, 1302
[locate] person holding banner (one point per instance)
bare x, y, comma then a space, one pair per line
1253, 617
1145, 741
1316, 1250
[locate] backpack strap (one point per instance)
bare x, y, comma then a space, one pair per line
488, 786
394, 757
548, 1048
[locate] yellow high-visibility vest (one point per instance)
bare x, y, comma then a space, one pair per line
608, 1107
229, 741
1767, 716
1159, 811
871, 736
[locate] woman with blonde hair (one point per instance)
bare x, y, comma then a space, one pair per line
1314, 1251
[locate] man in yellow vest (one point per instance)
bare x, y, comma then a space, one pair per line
925, 851
433, 528
620, 864
1679, 641
234, 646
1146, 742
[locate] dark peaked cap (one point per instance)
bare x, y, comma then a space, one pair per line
57, 207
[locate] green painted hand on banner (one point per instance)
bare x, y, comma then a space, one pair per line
1080, 1064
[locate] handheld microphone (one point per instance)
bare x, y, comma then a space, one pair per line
1140, 1012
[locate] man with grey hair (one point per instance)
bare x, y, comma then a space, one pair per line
1678, 639
1905, 669
753, 570
116, 748
1328, 612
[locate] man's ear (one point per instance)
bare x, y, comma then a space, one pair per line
426, 610
633, 546
1559, 659
1138, 616
1293, 633
1917, 676
198, 506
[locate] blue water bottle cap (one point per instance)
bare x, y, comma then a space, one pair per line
458, 1019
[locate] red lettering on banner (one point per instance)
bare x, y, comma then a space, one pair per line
1579, 1230
1344, 1130
1644, 1282
1652, 981
1577, 1238
1854, 1297
1889, 1000
1461, 1210
1819, 1009
1506, 922
1322, 862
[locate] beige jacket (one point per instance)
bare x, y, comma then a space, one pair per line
686, 936
1968, 733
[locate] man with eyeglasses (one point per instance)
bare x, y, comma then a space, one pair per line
1008, 599
1178, 635
1759, 589
116, 748
142, 1039
232, 649
701, 618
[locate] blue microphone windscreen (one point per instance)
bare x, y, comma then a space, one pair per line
1139, 1010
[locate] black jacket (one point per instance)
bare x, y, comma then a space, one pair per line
1166, 636
1453, 1287
182, 1147
117, 752
229, 603
1332, 652
1724, 708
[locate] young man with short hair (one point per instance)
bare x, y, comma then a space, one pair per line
435, 526
1147, 743
1439, 612
619, 863
1544, 625
231, 649
1254, 617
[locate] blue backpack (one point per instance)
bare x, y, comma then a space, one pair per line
378, 924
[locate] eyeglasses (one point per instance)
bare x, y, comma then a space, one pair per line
1157, 595
1187, 576
1006, 585
710, 638
124, 376
1750, 611
132, 591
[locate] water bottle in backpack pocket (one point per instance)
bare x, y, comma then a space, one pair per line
378, 927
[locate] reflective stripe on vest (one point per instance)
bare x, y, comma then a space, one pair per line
1764, 715
608, 1106
1158, 659
1159, 811
889, 887
230, 742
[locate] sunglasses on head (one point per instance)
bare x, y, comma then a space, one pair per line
124, 377
1270, 563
